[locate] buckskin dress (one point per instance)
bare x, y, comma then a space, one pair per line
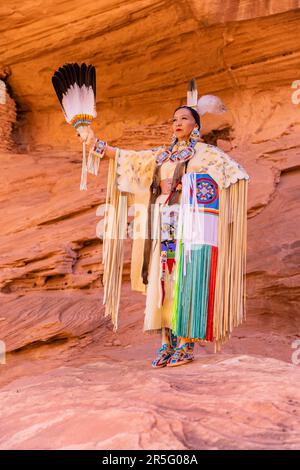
197, 279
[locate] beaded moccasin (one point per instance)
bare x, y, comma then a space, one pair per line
182, 355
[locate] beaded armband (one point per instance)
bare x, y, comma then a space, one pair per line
96, 153
99, 147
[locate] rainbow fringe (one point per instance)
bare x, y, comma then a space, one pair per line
194, 293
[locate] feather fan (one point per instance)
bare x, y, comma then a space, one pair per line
75, 87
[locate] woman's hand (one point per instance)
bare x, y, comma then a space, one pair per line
86, 134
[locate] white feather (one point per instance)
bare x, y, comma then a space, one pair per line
192, 97
79, 100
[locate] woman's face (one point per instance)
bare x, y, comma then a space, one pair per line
183, 123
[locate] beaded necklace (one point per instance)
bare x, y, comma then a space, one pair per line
177, 152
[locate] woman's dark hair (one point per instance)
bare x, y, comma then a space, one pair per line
194, 113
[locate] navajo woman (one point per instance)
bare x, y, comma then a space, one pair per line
189, 242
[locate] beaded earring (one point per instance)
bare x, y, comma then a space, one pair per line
174, 138
173, 141
195, 133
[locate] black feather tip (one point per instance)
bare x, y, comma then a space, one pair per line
69, 74
192, 85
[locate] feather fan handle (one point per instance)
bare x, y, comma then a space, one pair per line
75, 87
211, 104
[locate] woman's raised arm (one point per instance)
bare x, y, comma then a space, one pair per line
134, 168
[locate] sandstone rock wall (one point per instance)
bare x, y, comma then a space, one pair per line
145, 52
67, 381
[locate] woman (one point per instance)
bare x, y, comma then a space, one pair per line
191, 263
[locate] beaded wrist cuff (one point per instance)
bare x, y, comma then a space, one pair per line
96, 153
99, 147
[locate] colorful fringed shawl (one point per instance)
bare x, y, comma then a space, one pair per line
210, 288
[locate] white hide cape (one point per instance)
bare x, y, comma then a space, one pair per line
130, 176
